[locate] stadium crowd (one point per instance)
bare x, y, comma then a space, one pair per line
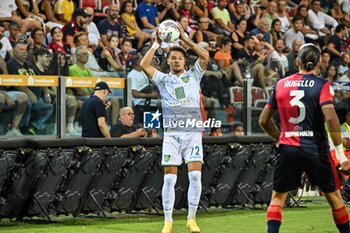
82, 38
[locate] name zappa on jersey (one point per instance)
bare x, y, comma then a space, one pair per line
299, 83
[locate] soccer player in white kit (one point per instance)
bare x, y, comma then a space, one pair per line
180, 93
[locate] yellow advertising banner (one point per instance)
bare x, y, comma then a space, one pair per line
91, 82
28, 80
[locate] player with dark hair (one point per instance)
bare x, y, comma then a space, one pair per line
305, 103
180, 92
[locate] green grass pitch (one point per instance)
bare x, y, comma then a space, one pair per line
316, 217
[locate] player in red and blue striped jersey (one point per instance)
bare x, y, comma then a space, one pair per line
304, 103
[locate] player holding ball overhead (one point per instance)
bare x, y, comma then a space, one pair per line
305, 103
180, 93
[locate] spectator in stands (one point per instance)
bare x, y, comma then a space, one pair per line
72, 104
125, 127
57, 44
224, 59
14, 100
263, 29
64, 10
38, 38
92, 30
144, 93
6, 47
325, 61
38, 111
125, 55
294, 33
337, 45
152, 133
253, 60
331, 73
344, 66
222, 18
147, 16
283, 16
78, 69
292, 56
78, 24
15, 33
238, 34
277, 60
109, 26
8, 14
93, 113
189, 9
203, 34
215, 132
129, 22
271, 12
109, 58
237, 130
318, 21
46, 7
345, 77
276, 32
309, 34
238, 11
168, 10
253, 21
42, 59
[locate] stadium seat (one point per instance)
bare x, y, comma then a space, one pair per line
236, 95
88, 3
257, 93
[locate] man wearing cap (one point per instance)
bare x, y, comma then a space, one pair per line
78, 24
93, 113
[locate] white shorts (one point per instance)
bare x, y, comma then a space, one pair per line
178, 145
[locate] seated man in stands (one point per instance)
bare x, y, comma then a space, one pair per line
15, 100
109, 26
78, 24
6, 48
38, 110
125, 127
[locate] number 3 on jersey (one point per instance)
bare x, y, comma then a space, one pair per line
298, 95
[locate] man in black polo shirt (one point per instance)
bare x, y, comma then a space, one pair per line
125, 127
93, 113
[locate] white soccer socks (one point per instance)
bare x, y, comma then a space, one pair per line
168, 196
194, 193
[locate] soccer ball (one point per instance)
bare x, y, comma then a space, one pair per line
168, 31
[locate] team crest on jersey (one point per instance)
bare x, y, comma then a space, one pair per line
180, 93
166, 158
185, 79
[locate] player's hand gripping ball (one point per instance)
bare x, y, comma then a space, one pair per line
168, 31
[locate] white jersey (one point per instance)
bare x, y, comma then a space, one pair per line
180, 98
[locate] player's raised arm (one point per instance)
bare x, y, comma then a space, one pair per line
146, 61
202, 53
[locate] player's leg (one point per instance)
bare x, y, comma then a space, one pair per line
171, 158
339, 211
287, 176
193, 154
274, 212
168, 197
329, 184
